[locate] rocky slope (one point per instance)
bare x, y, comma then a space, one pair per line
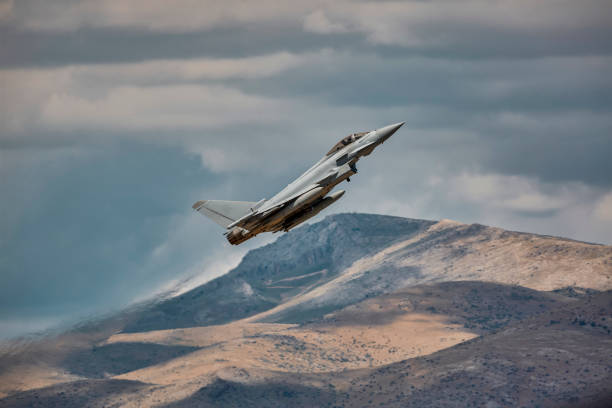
560, 357
450, 251
349, 257
357, 310
305, 258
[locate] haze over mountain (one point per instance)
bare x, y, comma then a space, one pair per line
356, 310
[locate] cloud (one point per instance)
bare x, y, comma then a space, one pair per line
6, 9
159, 107
76, 106
444, 22
527, 204
603, 208
14, 326
521, 203
98, 229
194, 69
512, 193
116, 94
146, 95
318, 22
388, 22
180, 16
41, 32
194, 104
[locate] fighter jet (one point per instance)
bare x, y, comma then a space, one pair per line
304, 198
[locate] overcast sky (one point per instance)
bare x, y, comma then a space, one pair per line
117, 115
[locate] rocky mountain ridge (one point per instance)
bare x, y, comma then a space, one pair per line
356, 310
349, 257
298, 261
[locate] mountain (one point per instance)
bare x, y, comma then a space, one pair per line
560, 357
349, 257
356, 310
295, 263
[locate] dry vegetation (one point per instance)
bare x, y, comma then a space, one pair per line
436, 319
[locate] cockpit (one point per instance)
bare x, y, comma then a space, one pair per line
346, 141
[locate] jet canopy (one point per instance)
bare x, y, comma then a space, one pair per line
346, 141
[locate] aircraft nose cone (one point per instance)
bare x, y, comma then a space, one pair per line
385, 132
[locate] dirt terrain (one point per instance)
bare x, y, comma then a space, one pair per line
443, 314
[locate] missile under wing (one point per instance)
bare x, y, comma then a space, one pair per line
304, 198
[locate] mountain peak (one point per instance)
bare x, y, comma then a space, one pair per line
351, 256
446, 223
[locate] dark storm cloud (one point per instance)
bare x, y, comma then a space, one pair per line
540, 84
43, 33
117, 116
91, 223
30, 48
544, 117
91, 229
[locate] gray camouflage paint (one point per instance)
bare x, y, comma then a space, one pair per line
301, 199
